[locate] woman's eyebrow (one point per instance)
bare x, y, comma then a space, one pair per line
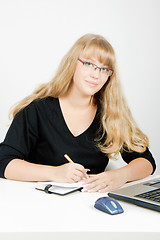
93, 60
102, 65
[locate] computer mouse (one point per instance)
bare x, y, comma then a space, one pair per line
108, 205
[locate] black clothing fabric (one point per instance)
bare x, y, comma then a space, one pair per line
39, 134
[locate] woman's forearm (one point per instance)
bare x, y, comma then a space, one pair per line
21, 170
137, 169
113, 179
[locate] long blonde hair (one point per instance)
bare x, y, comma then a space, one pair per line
118, 129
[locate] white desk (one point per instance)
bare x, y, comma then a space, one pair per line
26, 213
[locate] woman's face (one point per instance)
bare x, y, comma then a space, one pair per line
88, 79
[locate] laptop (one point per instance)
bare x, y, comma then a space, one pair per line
145, 194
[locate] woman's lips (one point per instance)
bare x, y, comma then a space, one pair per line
91, 83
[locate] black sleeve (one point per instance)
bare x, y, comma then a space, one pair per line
20, 138
129, 156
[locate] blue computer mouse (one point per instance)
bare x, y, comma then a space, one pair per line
108, 205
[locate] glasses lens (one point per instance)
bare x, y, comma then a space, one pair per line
90, 65
104, 71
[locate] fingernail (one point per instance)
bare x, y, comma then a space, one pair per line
90, 190
86, 176
83, 190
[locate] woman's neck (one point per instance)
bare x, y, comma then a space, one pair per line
77, 100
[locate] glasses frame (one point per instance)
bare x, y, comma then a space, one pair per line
95, 67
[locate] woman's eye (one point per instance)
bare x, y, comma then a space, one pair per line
88, 64
104, 69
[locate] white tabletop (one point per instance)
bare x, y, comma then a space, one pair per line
23, 209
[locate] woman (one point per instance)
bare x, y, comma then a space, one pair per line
81, 112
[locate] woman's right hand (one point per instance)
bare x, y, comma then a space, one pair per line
69, 172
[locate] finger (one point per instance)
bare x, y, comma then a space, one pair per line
76, 178
90, 186
106, 189
84, 173
79, 167
94, 187
71, 180
90, 179
91, 190
98, 188
79, 174
103, 190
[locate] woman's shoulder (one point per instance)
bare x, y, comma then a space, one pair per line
43, 103
49, 101
39, 107
45, 107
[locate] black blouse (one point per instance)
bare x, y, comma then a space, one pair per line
39, 134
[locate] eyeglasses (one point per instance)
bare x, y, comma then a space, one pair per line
104, 70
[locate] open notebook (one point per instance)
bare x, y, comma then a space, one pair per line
59, 188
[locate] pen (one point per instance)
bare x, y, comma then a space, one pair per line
68, 158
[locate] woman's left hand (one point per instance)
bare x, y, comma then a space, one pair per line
105, 181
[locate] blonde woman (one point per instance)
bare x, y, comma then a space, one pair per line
81, 112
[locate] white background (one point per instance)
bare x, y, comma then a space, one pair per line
35, 34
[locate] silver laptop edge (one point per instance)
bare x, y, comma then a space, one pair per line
129, 193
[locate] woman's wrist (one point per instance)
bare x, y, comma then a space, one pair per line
51, 173
123, 173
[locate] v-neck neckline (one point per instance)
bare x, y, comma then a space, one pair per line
66, 126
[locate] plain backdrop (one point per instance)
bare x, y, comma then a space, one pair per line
35, 35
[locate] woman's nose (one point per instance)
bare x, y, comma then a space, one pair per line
95, 73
